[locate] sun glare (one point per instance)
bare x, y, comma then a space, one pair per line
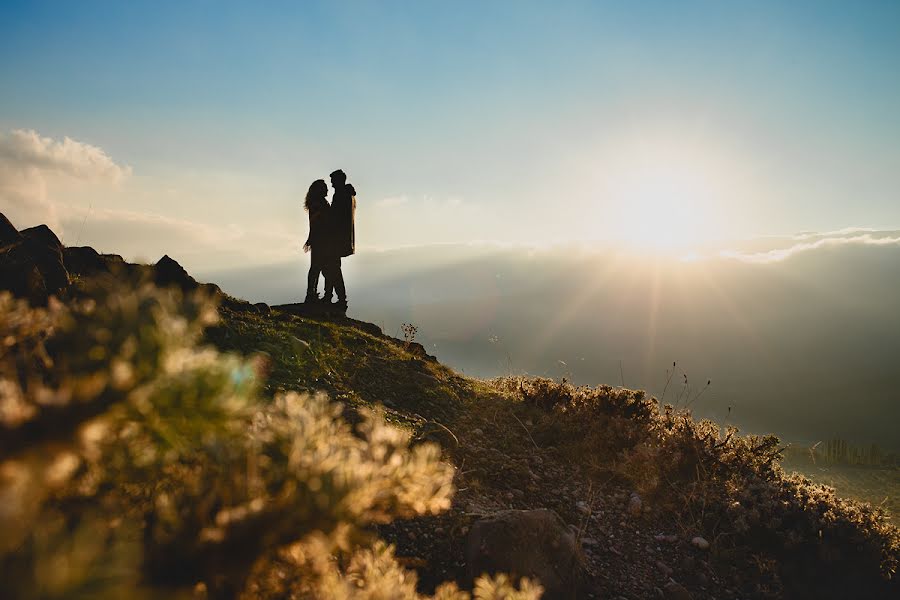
664, 207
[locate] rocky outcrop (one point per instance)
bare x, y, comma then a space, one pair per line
35, 265
527, 543
31, 262
85, 261
8, 233
167, 272
47, 251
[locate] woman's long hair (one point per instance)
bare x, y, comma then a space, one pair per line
317, 193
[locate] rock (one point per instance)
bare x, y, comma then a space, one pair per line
262, 308
369, 328
212, 291
167, 272
635, 505
532, 543
8, 233
676, 591
84, 260
700, 543
31, 263
583, 507
669, 539
664, 569
314, 310
46, 249
21, 276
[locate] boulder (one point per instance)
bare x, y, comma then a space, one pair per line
167, 272
31, 263
527, 543
8, 233
84, 260
47, 252
20, 275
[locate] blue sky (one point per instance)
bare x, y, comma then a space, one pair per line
505, 121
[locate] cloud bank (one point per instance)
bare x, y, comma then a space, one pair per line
30, 165
807, 242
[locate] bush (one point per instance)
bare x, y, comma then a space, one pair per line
135, 463
726, 487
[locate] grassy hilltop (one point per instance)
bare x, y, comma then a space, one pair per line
175, 441
528, 443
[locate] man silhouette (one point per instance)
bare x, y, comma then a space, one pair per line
343, 212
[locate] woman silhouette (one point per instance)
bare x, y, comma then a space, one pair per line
317, 242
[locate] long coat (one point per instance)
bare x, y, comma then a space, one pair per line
319, 226
343, 217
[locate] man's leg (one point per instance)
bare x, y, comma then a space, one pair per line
328, 272
339, 281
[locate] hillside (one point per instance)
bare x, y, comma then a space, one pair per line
650, 503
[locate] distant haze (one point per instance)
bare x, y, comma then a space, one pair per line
807, 346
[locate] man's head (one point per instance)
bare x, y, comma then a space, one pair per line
338, 178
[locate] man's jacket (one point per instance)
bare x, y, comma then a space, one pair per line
343, 216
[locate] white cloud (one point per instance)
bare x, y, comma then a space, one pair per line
26, 148
392, 201
46, 180
30, 164
844, 237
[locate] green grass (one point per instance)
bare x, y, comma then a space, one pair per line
352, 362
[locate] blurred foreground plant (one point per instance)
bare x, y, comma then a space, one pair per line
135, 463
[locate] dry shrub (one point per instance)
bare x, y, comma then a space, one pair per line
724, 486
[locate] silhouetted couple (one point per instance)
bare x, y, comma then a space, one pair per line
331, 237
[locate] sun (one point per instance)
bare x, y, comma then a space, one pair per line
664, 206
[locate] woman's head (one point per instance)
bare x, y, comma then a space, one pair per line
318, 191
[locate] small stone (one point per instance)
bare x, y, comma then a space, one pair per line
477, 432
676, 591
700, 543
664, 569
583, 507
669, 539
589, 541
635, 505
